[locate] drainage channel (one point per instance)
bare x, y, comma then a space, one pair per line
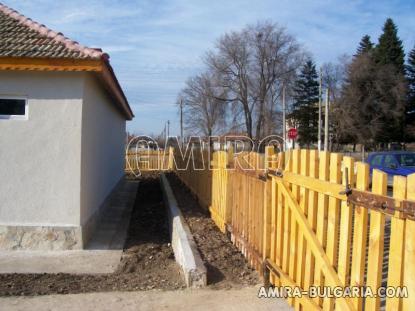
226, 266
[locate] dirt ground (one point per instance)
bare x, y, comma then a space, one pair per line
147, 262
226, 266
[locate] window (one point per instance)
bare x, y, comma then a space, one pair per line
407, 159
13, 108
377, 160
390, 161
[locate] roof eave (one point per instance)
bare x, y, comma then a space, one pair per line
116, 90
100, 66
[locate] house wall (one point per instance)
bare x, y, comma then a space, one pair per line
103, 151
59, 166
40, 159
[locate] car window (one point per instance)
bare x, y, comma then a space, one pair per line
407, 159
377, 160
390, 159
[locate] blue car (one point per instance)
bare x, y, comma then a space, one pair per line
394, 163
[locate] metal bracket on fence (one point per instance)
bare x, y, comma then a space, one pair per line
263, 177
277, 172
381, 203
408, 209
348, 190
387, 205
378, 202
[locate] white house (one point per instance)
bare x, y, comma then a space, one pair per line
62, 133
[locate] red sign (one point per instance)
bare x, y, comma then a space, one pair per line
292, 133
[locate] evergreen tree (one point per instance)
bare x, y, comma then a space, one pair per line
305, 108
365, 46
410, 107
410, 70
389, 49
372, 103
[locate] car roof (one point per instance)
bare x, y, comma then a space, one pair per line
390, 152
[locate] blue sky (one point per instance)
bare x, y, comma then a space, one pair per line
156, 45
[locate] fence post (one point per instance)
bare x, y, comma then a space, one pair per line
409, 252
269, 152
227, 210
269, 157
269, 208
397, 245
171, 160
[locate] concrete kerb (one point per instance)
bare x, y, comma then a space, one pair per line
184, 247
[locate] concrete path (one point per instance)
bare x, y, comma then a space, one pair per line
185, 300
103, 252
76, 261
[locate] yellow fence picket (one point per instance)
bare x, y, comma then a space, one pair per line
409, 252
346, 224
292, 271
376, 242
322, 209
275, 217
333, 217
287, 217
360, 236
312, 219
397, 243
303, 200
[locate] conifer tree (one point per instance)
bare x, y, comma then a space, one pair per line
410, 71
365, 46
389, 49
305, 109
410, 106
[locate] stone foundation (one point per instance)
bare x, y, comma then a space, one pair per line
50, 238
40, 238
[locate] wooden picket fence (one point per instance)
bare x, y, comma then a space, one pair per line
297, 219
196, 174
149, 160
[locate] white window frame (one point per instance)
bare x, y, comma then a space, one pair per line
13, 116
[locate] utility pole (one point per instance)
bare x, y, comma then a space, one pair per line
165, 133
168, 130
319, 109
326, 122
181, 121
284, 134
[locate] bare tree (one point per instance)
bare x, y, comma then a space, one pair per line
231, 62
203, 111
254, 64
276, 57
334, 78
334, 75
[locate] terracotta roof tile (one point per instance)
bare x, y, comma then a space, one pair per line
22, 37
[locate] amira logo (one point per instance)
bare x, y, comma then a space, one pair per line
198, 151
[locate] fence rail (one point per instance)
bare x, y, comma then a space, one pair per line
148, 160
